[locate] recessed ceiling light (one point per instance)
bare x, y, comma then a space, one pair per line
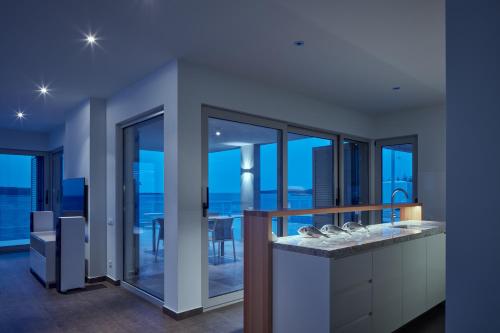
20, 115
217, 133
396, 88
299, 43
43, 89
91, 39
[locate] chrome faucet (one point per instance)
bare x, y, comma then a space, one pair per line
393, 195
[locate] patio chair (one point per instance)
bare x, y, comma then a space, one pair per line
221, 230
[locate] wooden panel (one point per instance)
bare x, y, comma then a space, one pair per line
257, 316
330, 210
411, 213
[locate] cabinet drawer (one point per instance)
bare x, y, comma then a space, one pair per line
351, 271
352, 304
361, 325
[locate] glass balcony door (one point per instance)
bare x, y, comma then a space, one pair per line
356, 165
21, 192
242, 173
396, 162
143, 220
311, 178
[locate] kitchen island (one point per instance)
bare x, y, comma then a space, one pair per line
373, 280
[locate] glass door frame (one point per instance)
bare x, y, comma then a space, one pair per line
410, 139
335, 164
46, 182
341, 180
284, 127
120, 200
213, 112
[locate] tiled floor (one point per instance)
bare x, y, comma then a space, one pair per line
25, 306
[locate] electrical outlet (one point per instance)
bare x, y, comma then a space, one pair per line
110, 221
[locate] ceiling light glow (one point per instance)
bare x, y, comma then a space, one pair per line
43, 89
91, 39
20, 115
217, 133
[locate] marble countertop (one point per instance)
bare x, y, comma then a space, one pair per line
379, 235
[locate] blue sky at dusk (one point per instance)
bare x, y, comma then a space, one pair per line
15, 171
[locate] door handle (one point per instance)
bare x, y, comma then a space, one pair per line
206, 203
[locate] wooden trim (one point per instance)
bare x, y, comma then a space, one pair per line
182, 315
257, 301
330, 210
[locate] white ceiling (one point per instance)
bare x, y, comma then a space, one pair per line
355, 51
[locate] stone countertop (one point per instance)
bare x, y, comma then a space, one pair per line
379, 235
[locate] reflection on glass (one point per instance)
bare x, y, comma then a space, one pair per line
356, 191
397, 172
310, 179
143, 202
243, 173
21, 191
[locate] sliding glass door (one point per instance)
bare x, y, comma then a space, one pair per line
243, 174
396, 173
143, 227
21, 191
311, 179
356, 178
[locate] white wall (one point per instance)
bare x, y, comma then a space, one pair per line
473, 165
77, 142
56, 138
156, 89
23, 140
429, 124
84, 156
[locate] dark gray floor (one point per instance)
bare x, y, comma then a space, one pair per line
25, 306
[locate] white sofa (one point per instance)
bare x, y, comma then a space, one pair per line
43, 247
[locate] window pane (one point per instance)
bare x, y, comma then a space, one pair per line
143, 200
397, 172
310, 179
356, 185
16, 198
243, 173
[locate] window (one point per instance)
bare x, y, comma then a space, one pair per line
356, 175
310, 179
397, 172
21, 191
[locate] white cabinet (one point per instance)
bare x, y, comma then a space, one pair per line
436, 269
414, 278
387, 288
375, 291
351, 291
